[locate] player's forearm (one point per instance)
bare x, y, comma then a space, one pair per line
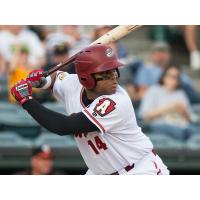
49, 82
59, 123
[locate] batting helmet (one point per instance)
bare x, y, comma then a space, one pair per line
93, 59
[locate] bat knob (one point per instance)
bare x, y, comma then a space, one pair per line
46, 74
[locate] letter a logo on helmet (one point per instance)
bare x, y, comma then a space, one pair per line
93, 59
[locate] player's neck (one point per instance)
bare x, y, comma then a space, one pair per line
91, 95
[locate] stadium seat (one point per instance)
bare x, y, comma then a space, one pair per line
3, 88
196, 108
161, 141
14, 149
55, 141
23, 124
145, 126
194, 142
11, 139
8, 107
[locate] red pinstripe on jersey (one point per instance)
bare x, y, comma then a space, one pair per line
81, 94
156, 166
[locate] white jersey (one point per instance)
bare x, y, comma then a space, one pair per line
119, 141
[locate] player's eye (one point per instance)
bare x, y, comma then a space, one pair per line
106, 75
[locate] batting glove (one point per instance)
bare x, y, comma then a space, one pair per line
36, 78
22, 91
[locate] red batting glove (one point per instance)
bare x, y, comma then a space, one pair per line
36, 78
22, 91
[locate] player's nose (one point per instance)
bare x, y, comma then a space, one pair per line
114, 75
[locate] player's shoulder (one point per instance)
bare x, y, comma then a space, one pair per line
66, 81
64, 76
119, 95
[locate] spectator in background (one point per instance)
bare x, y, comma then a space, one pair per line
60, 53
56, 37
149, 74
1, 27
19, 67
191, 40
16, 34
3, 79
190, 35
3, 69
43, 30
70, 34
166, 107
80, 40
41, 162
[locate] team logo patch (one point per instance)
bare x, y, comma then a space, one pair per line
109, 52
94, 114
104, 106
62, 76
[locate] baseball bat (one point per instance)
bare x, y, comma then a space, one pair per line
109, 37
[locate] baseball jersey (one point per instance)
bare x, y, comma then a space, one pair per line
119, 141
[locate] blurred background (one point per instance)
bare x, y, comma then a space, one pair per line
161, 75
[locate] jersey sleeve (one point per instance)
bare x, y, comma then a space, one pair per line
106, 112
58, 89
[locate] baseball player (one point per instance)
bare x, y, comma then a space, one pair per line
100, 114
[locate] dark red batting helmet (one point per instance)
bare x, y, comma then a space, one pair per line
93, 59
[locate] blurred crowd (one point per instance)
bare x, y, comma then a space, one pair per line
161, 92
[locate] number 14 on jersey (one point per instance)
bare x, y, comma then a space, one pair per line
97, 145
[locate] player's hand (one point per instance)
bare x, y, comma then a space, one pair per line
36, 78
22, 91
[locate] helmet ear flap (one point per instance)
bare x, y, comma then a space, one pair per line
88, 82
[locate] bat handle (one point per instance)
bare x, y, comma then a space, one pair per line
46, 74
53, 69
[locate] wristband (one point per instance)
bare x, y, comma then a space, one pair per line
47, 84
25, 99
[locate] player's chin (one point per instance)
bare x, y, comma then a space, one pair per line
113, 90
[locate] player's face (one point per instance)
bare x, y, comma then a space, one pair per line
106, 82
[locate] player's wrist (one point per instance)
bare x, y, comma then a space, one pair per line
25, 99
47, 84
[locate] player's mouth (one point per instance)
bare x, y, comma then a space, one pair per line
114, 86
